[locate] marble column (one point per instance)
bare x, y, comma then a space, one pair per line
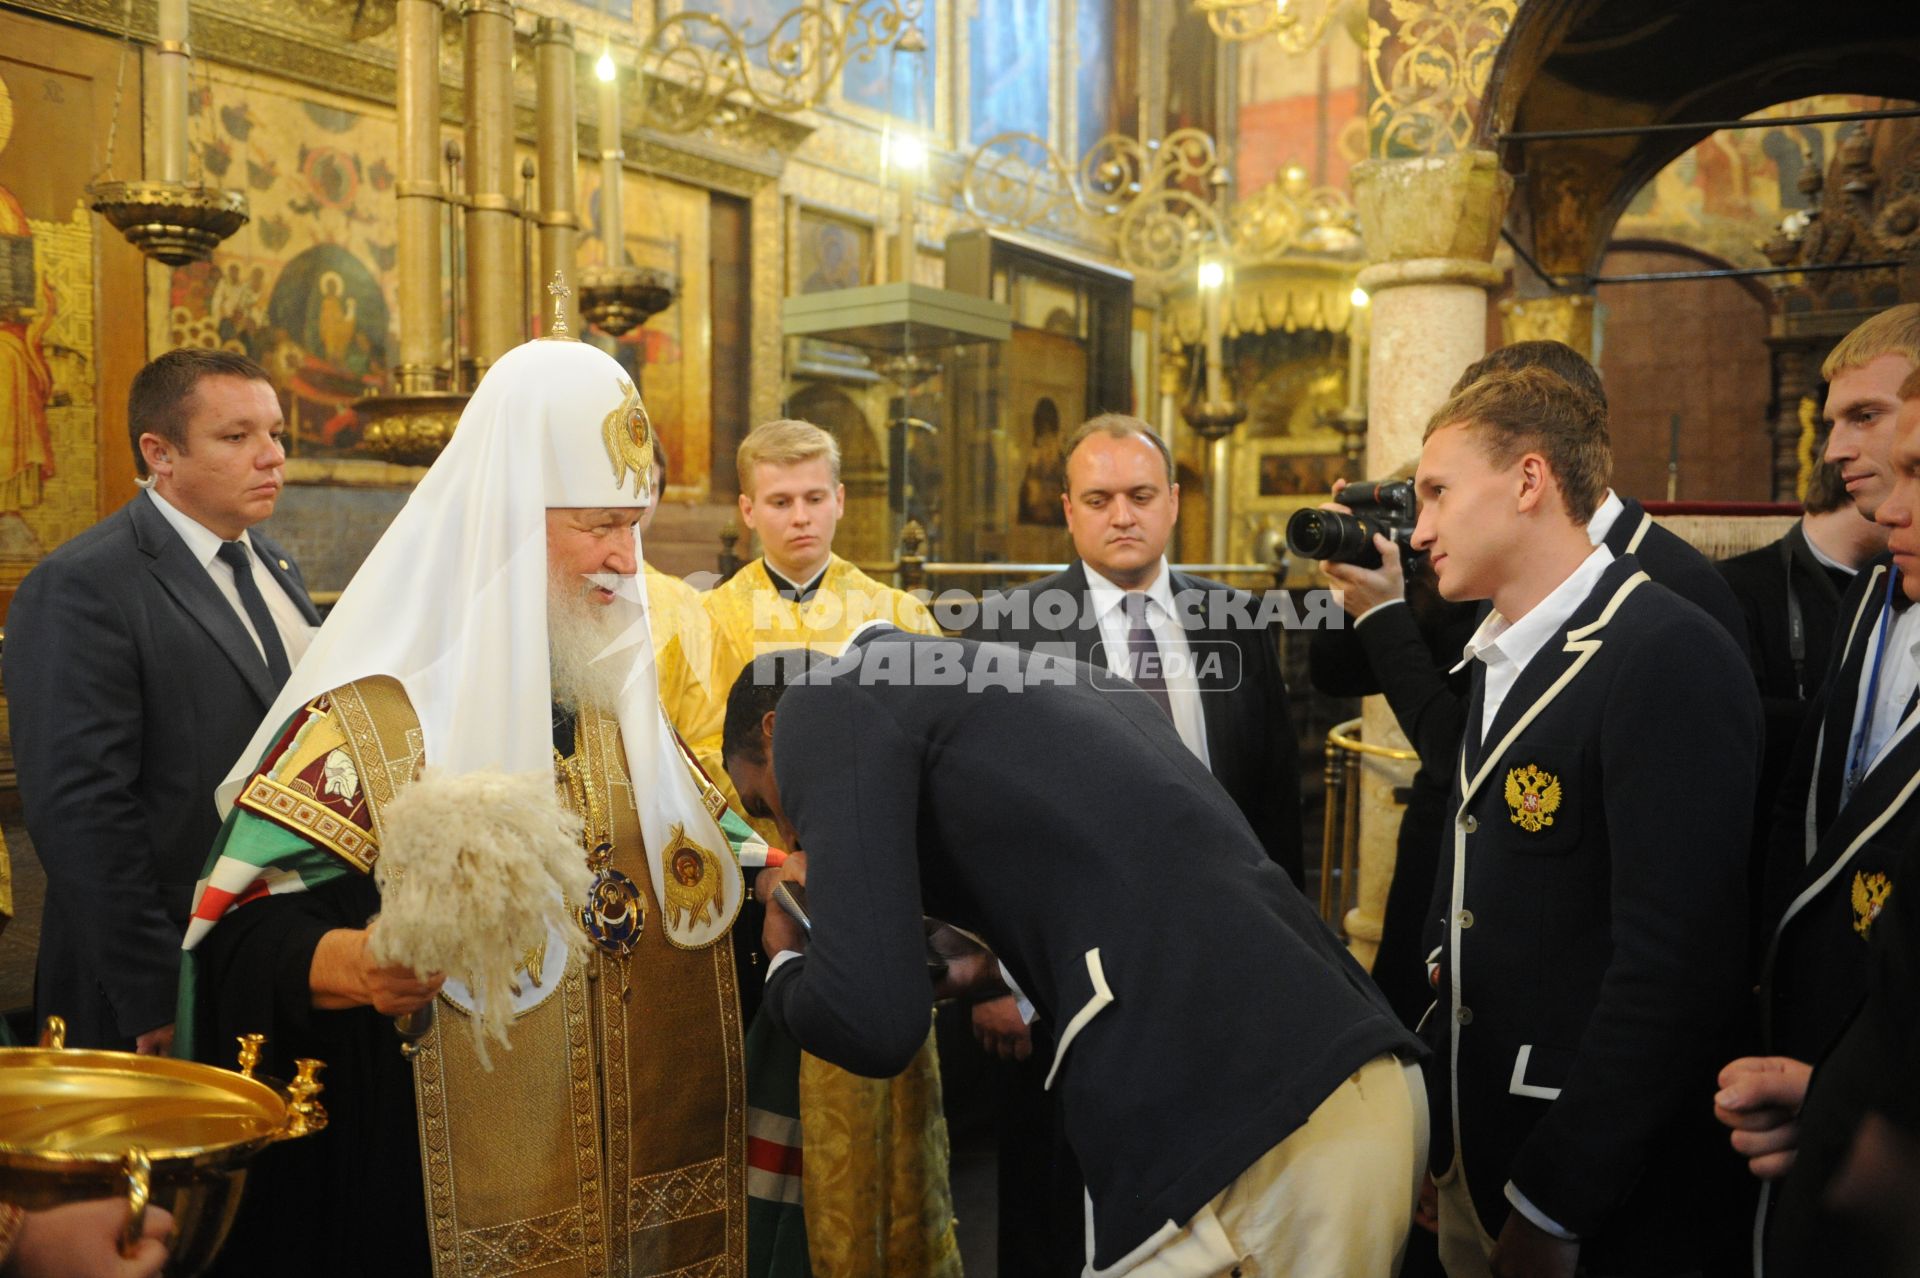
1431, 225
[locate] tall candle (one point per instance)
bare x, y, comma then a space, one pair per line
612, 232
170, 73
1210, 286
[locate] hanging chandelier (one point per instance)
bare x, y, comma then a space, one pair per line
1297, 25
169, 219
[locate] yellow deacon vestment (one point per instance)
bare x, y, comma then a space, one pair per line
682, 653
874, 1166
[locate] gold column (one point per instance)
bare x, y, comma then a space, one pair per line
493, 215
559, 143
420, 196
1560, 317
1430, 224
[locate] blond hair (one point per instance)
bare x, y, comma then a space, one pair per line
1894, 331
786, 442
1531, 409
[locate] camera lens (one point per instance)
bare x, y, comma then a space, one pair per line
1328, 534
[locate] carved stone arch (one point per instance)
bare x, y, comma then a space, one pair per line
1572, 64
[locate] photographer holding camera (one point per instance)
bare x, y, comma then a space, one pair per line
1406, 653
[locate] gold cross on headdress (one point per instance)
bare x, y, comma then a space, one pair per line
558, 287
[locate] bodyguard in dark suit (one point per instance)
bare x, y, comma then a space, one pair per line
140, 658
1591, 899
1203, 1011
1121, 507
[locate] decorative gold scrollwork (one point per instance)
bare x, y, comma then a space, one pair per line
1152, 201
1430, 71
1297, 25
696, 64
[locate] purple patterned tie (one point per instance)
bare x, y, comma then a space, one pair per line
1143, 654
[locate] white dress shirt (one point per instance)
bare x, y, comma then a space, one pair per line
1605, 515
1177, 659
204, 544
1507, 646
1899, 676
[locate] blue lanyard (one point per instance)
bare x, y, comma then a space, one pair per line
1856, 756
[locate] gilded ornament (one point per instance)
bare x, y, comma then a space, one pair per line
628, 435
1533, 796
1869, 898
1147, 201
1429, 72
693, 880
1295, 25
696, 64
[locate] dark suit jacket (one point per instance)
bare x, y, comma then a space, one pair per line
1768, 584
133, 687
1832, 866
1067, 825
1871, 1069
1672, 561
1250, 741
1594, 903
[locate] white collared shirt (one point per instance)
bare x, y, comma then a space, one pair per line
1176, 657
204, 545
1507, 646
1821, 557
1899, 676
1605, 516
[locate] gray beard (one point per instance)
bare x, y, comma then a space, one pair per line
578, 632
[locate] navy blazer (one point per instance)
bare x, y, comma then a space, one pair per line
1201, 1008
1832, 865
1250, 742
133, 687
1592, 913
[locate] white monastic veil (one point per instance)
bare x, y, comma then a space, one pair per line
452, 601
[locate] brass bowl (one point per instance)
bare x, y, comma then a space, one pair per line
76, 1125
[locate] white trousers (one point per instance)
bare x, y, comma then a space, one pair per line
1335, 1198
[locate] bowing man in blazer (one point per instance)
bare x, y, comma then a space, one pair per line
140, 658
1208, 662
1850, 805
1233, 1084
1591, 902
1214, 670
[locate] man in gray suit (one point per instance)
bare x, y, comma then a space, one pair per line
140, 657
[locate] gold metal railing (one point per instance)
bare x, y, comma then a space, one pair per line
910, 569
1340, 830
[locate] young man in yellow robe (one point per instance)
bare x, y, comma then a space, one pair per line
873, 1178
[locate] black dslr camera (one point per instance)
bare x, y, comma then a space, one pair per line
1385, 507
